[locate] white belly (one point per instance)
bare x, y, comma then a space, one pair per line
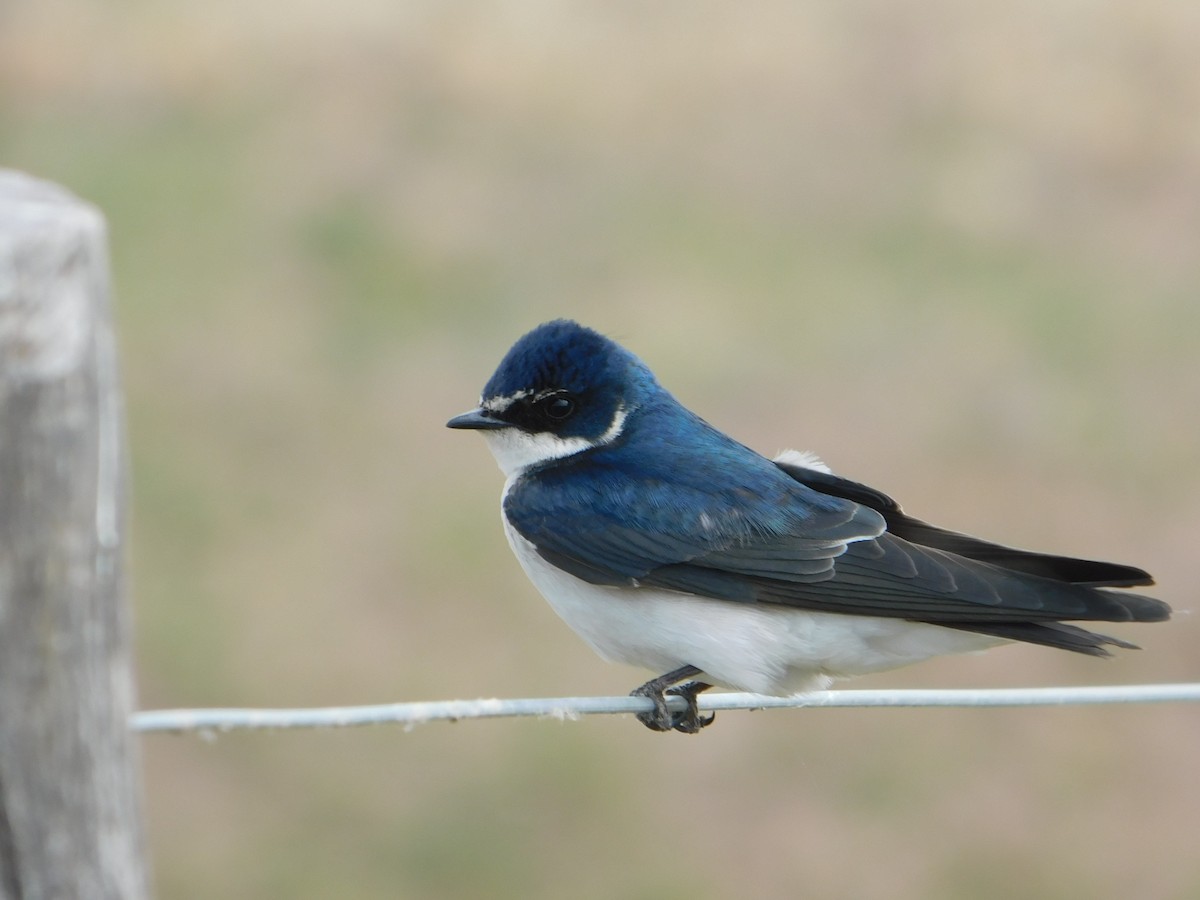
762, 648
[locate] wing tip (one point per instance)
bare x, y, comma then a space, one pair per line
1059, 635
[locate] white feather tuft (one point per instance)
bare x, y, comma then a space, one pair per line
805, 459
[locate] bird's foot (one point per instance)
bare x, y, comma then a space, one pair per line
690, 721
661, 718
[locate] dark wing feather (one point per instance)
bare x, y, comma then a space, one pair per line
1044, 565
1052, 634
891, 577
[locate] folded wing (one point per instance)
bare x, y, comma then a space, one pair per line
817, 542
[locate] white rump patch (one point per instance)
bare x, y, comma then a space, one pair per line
805, 459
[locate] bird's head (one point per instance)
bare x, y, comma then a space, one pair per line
562, 389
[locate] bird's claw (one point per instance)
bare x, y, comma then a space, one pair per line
662, 719
690, 721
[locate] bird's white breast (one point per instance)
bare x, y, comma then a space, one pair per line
762, 648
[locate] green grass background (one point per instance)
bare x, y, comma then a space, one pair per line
953, 247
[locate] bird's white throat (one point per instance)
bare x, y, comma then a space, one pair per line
516, 450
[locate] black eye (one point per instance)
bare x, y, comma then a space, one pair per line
556, 406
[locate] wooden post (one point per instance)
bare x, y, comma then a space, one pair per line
70, 822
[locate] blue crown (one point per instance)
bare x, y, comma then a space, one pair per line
563, 355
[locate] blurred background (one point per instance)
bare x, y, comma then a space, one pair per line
955, 248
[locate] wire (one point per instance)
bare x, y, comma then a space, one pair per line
212, 721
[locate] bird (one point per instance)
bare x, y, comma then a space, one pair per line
667, 545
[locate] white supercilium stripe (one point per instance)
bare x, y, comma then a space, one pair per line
495, 405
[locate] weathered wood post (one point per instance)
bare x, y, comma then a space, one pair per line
69, 784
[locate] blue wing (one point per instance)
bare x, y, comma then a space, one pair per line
772, 538
615, 529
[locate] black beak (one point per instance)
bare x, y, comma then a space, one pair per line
477, 420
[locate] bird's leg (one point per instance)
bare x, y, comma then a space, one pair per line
661, 719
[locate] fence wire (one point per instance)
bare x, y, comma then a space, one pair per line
409, 715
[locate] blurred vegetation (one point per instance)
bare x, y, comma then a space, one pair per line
955, 248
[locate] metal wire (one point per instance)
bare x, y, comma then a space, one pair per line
409, 715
